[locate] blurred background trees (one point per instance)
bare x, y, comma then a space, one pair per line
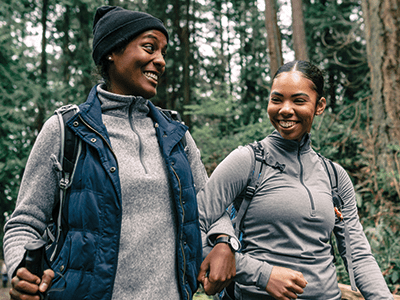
221, 57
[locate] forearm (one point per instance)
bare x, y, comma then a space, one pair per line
225, 184
251, 271
35, 199
367, 274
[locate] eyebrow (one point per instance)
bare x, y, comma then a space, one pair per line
150, 36
294, 95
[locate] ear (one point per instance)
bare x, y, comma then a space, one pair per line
321, 104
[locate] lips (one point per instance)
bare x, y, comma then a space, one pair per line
287, 124
150, 75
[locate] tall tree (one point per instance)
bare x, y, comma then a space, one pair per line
299, 34
41, 115
382, 33
183, 29
274, 36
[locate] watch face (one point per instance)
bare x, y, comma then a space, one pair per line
234, 244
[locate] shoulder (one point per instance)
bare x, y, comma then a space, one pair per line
345, 184
238, 164
343, 176
243, 154
50, 131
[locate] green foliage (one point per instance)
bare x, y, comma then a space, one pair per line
220, 127
385, 244
343, 140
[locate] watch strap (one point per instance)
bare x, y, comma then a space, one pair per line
222, 239
235, 246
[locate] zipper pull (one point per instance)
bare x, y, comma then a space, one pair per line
338, 213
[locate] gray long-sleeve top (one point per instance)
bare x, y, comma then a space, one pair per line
289, 221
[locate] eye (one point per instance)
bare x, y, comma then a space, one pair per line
299, 100
149, 47
275, 100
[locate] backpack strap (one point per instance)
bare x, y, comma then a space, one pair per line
253, 182
338, 205
70, 150
70, 145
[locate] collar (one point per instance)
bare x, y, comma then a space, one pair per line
291, 145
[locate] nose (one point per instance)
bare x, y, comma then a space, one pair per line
287, 108
159, 61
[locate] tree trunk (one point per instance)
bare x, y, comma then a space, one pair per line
41, 103
299, 34
66, 25
184, 37
382, 32
43, 61
273, 37
86, 33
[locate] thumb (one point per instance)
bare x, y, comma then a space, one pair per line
203, 271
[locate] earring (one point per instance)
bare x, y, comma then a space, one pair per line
110, 58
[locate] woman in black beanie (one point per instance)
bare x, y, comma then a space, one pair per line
129, 220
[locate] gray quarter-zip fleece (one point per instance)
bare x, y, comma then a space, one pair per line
289, 221
148, 214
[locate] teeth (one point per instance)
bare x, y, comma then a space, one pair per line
286, 124
151, 76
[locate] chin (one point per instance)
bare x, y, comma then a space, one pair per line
148, 94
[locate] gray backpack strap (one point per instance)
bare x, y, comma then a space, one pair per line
252, 184
338, 205
70, 150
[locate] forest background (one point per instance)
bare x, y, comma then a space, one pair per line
221, 57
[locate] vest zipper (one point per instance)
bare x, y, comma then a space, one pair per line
94, 130
302, 182
180, 239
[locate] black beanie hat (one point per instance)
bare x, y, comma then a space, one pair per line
113, 25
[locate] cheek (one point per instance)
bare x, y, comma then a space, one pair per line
270, 110
310, 119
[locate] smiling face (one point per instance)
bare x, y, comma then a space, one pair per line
293, 105
137, 69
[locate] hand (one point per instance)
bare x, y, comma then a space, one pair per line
220, 265
26, 286
285, 284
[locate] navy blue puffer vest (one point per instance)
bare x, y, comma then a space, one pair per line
92, 214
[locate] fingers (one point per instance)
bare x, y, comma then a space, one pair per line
204, 267
16, 295
47, 278
300, 280
285, 283
23, 289
25, 285
212, 288
24, 274
218, 269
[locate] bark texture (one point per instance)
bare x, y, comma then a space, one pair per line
382, 32
299, 34
273, 37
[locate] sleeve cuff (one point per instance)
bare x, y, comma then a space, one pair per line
263, 278
222, 226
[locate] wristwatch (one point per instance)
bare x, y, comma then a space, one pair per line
233, 243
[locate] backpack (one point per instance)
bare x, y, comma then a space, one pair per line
69, 152
71, 147
238, 208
